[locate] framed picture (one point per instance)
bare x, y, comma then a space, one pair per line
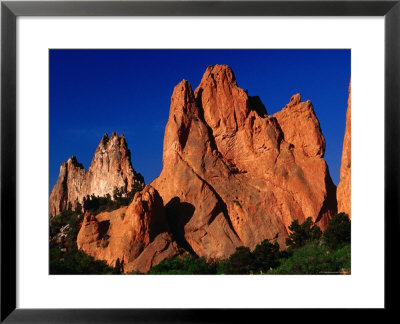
45, 55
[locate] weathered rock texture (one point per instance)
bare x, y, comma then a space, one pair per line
110, 169
232, 175
137, 235
344, 186
67, 188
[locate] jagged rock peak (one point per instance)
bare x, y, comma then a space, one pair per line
294, 100
106, 140
116, 143
182, 95
110, 169
225, 106
219, 73
232, 175
67, 188
74, 161
301, 126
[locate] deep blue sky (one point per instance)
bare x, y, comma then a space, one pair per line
93, 92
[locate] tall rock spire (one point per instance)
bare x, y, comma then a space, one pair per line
232, 175
111, 167
344, 187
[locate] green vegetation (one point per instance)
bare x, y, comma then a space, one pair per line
302, 234
64, 255
266, 256
239, 262
237, 203
76, 262
68, 219
186, 264
118, 266
309, 252
64, 227
95, 204
315, 258
338, 232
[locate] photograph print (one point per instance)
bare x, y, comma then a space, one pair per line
201, 161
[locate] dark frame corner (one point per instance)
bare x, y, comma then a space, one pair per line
10, 10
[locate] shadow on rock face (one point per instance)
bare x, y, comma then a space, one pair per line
256, 104
103, 228
178, 215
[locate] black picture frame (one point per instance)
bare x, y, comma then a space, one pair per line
10, 10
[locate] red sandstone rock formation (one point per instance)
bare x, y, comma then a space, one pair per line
344, 186
137, 235
111, 169
232, 175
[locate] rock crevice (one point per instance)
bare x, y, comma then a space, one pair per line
344, 186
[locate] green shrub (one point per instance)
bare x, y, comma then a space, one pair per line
187, 264
95, 204
302, 234
64, 256
76, 262
117, 267
338, 232
314, 258
223, 266
342, 258
240, 262
265, 256
66, 217
311, 258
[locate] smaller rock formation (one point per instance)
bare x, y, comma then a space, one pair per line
110, 169
300, 125
344, 187
137, 235
68, 187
